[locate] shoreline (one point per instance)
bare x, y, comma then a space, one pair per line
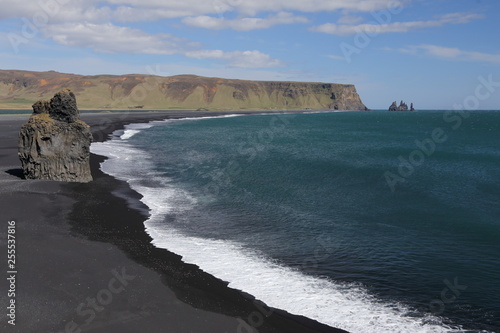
211, 292
86, 234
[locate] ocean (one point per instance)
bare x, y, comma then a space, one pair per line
365, 221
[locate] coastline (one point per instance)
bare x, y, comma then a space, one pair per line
196, 111
78, 239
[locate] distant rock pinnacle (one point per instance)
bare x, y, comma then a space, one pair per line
402, 106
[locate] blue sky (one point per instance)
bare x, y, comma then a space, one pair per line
438, 54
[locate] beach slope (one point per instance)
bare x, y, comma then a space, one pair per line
85, 263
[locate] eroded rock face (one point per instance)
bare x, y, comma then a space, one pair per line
394, 106
54, 144
63, 107
41, 107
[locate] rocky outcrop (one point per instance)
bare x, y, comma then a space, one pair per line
54, 144
191, 92
402, 106
63, 107
394, 106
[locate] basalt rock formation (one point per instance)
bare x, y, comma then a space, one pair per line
20, 89
402, 106
54, 144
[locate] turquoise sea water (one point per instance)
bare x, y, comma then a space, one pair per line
368, 221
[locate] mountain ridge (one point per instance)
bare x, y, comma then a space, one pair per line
19, 89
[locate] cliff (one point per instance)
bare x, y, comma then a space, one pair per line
54, 144
20, 89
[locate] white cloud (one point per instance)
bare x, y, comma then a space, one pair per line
243, 24
451, 53
56, 11
311, 6
152, 10
59, 11
350, 19
173, 8
109, 38
16, 9
134, 14
196, 7
374, 28
241, 59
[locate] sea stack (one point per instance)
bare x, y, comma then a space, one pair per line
402, 106
55, 144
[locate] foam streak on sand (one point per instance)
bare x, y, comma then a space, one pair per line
346, 306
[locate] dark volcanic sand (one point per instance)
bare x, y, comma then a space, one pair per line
85, 262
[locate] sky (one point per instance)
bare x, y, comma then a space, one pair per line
438, 54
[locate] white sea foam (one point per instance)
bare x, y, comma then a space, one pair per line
212, 117
345, 306
132, 129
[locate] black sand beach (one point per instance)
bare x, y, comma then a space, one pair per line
86, 264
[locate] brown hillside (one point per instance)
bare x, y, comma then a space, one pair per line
20, 89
